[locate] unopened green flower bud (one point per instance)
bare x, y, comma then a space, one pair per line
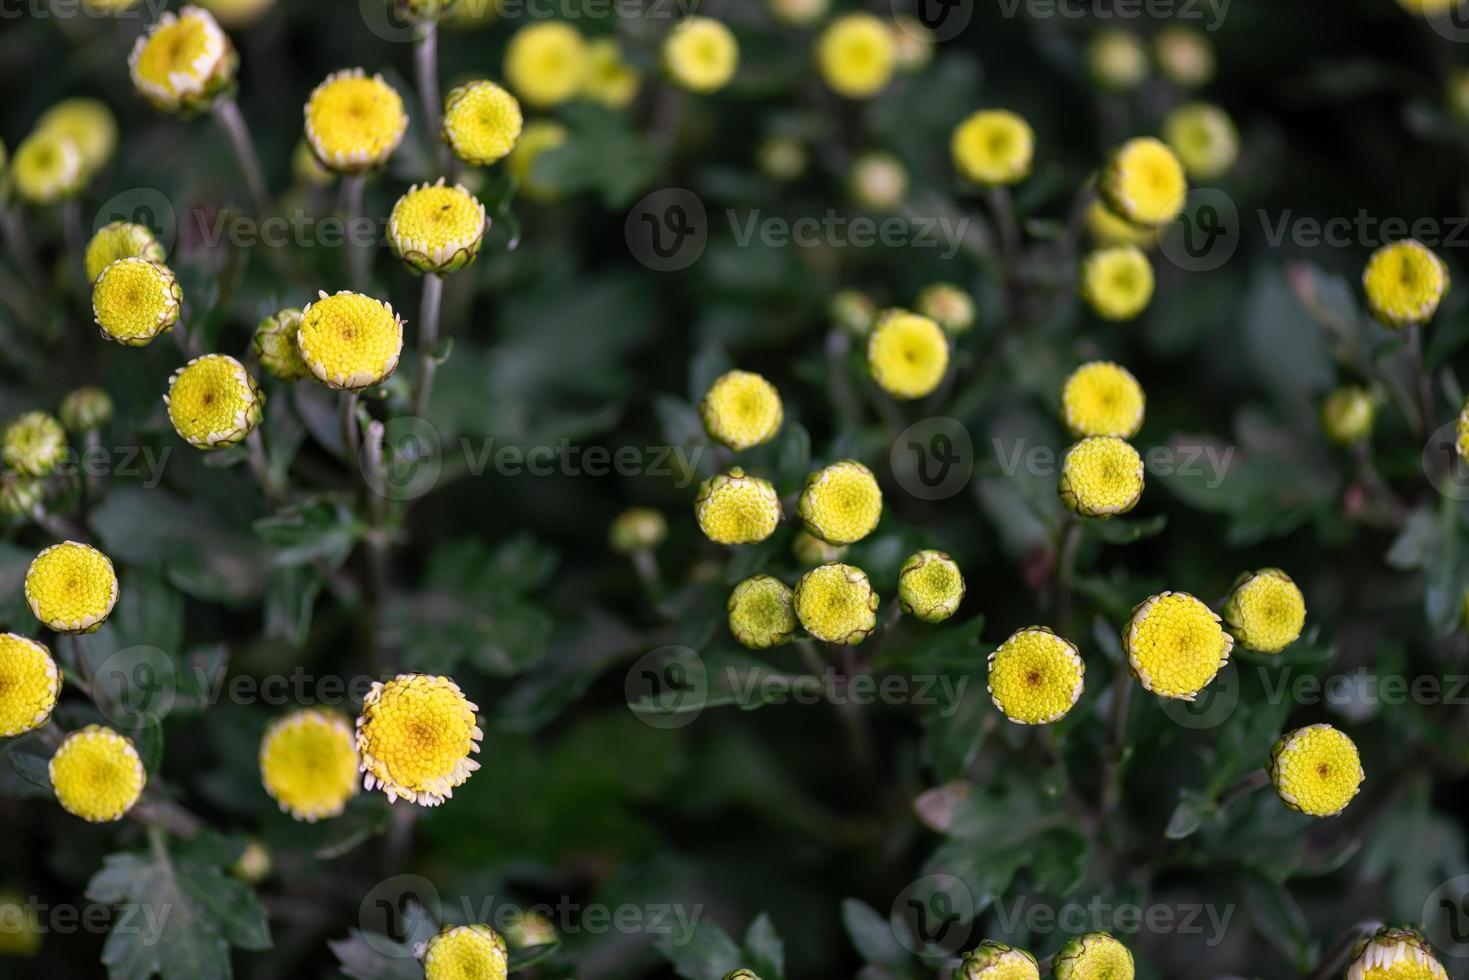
275, 345
34, 443
761, 614
853, 311
86, 409
525, 929
19, 494
636, 529
253, 864
930, 586
948, 306
1348, 413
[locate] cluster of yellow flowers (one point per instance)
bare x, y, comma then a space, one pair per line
72, 142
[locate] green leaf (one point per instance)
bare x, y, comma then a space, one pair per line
319, 528
1279, 919
1189, 815
1121, 531
764, 950
708, 955
872, 935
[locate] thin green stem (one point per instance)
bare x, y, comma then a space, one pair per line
426, 66
428, 341
359, 253
347, 417
227, 113
260, 464
1251, 783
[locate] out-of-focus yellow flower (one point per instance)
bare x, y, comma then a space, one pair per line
912, 44
853, 311
546, 63
306, 168
34, 443
741, 409
1107, 228
1117, 60
1144, 182
637, 529
1348, 413
1117, 281
1428, 8
1404, 282
856, 55
309, 764
610, 79
1316, 770
415, 735
537, 138
350, 341
473, 14
71, 587
472, 952
1175, 645
701, 54
835, 603
1204, 138
947, 305
120, 240
907, 354
213, 402
799, 13
275, 345
841, 503
760, 612
47, 167
734, 508
1457, 93
993, 147
1184, 56
30, 683
89, 124
1036, 677
20, 926
525, 928
85, 408
354, 122
482, 121
183, 61
930, 586
1265, 610
878, 181
436, 228
1101, 476
1102, 399
97, 774
781, 157
238, 13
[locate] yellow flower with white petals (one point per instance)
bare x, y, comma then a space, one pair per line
993, 147
761, 613
354, 123
835, 603
183, 61
734, 508
1102, 399
213, 402
120, 240
30, 683
1395, 954
1107, 228
610, 79
741, 409
71, 587
482, 121
856, 55
275, 345
1175, 645
1101, 476
930, 586
47, 167
34, 443
416, 734
1404, 282
134, 300
350, 341
1094, 956
309, 764
701, 54
537, 138
997, 961
1316, 770
1144, 182
436, 228
1117, 281
841, 503
1265, 610
907, 354
472, 952
1035, 676
89, 124
97, 774
1204, 138
546, 63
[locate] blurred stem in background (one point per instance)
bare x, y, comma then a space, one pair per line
359, 255
227, 113
428, 341
426, 67
18, 244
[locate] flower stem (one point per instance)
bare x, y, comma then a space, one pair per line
18, 244
428, 340
1068, 541
426, 64
1422, 382
76, 242
260, 463
1117, 746
375, 473
227, 112
1256, 780
347, 415
359, 254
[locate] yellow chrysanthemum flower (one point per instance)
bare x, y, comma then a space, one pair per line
1395, 954
1116, 60
1204, 138
30, 683
308, 763
134, 300
183, 61
275, 345
741, 409
546, 63
610, 79
1035, 676
436, 228
120, 240
34, 443
238, 13
835, 603
1117, 281
799, 13
996, 961
760, 612
1404, 282
354, 123
930, 586
1101, 476
637, 529
701, 54
1144, 182
907, 354
856, 55
993, 147
350, 341
1348, 413
1175, 645
89, 124
1184, 56
912, 44
97, 774
20, 926
1316, 770
47, 167
537, 138
841, 503
482, 121
733, 508
473, 952
1094, 956
213, 402
948, 306
1107, 228
1102, 399
1265, 610
71, 587
809, 550
878, 181
415, 734
85, 408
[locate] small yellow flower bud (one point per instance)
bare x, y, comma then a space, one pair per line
30, 683
1035, 676
637, 529
930, 586
1101, 476
436, 228
1348, 413
120, 240
1184, 56
1094, 956
1404, 282
89, 124
183, 61
993, 147
309, 764
482, 121
948, 306
610, 79
71, 587
733, 508
97, 774
350, 341
47, 167
34, 443
253, 865
835, 603
354, 123
841, 503
856, 55
741, 409
907, 354
1117, 281
760, 612
1144, 182
1102, 399
546, 63
134, 300
1175, 645
275, 345
996, 961
1117, 60
701, 54
1204, 138
1265, 610
415, 736
1316, 770
878, 181
213, 402
463, 952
